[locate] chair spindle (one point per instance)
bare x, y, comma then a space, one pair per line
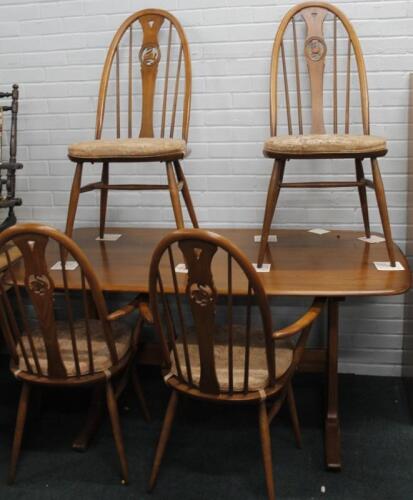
69, 310
178, 74
165, 90
247, 339
287, 94
5, 327
297, 77
230, 329
347, 125
117, 95
26, 324
170, 327
181, 318
86, 308
335, 78
130, 86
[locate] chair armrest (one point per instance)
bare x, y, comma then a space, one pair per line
144, 310
305, 320
139, 303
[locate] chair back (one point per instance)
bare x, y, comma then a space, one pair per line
185, 311
145, 89
30, 318
317, 73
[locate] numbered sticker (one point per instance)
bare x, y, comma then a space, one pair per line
70, 265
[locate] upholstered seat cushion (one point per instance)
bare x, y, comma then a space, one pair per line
124, 149
101, 357
258, 371
324, 144
14, 254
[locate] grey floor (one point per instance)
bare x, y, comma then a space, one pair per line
214, 452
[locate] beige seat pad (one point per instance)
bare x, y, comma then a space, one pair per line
258, 372
101, 357
324, 144
128, 149
14, 254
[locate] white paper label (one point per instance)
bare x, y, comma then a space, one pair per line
181, 268
109, 237
372, 239
319, 230
385, 266
265, 268
70, 265
272, 238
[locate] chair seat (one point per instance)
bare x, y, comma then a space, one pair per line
14, 254
101, 357
128, 149
324, 145
258, 371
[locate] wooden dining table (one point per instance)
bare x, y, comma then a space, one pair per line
335, 265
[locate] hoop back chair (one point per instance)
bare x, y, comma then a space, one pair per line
66, 345
318, 92
207, 355
145, 108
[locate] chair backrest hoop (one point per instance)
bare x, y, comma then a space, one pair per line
149, 49
320, 9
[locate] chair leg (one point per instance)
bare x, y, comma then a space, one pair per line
140, 395
74, 199
186, 193
363, 197
382, 204
174, 192
18, 433
117, 432
103, 199
163, 438
293, 414
266, 450
272, 197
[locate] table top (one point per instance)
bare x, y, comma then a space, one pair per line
302, 263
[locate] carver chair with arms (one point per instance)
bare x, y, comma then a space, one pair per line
319, 108
66, 341
144, 100
209, 356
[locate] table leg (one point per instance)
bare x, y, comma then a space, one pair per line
96, 408
332, 423
94, 415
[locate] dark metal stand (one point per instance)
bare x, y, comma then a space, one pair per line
8, 169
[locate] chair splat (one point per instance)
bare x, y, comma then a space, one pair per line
202, 298
40, 287
315, 50
149, 56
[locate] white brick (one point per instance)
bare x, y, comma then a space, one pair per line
41, 27
59, 9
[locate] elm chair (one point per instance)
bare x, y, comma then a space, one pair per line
318, 91
217, 360
61, 346
145, 96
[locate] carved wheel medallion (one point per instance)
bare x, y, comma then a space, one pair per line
39, 284
149, 55
201, 294
315, 49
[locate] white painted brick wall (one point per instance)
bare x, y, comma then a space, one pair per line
55, 51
